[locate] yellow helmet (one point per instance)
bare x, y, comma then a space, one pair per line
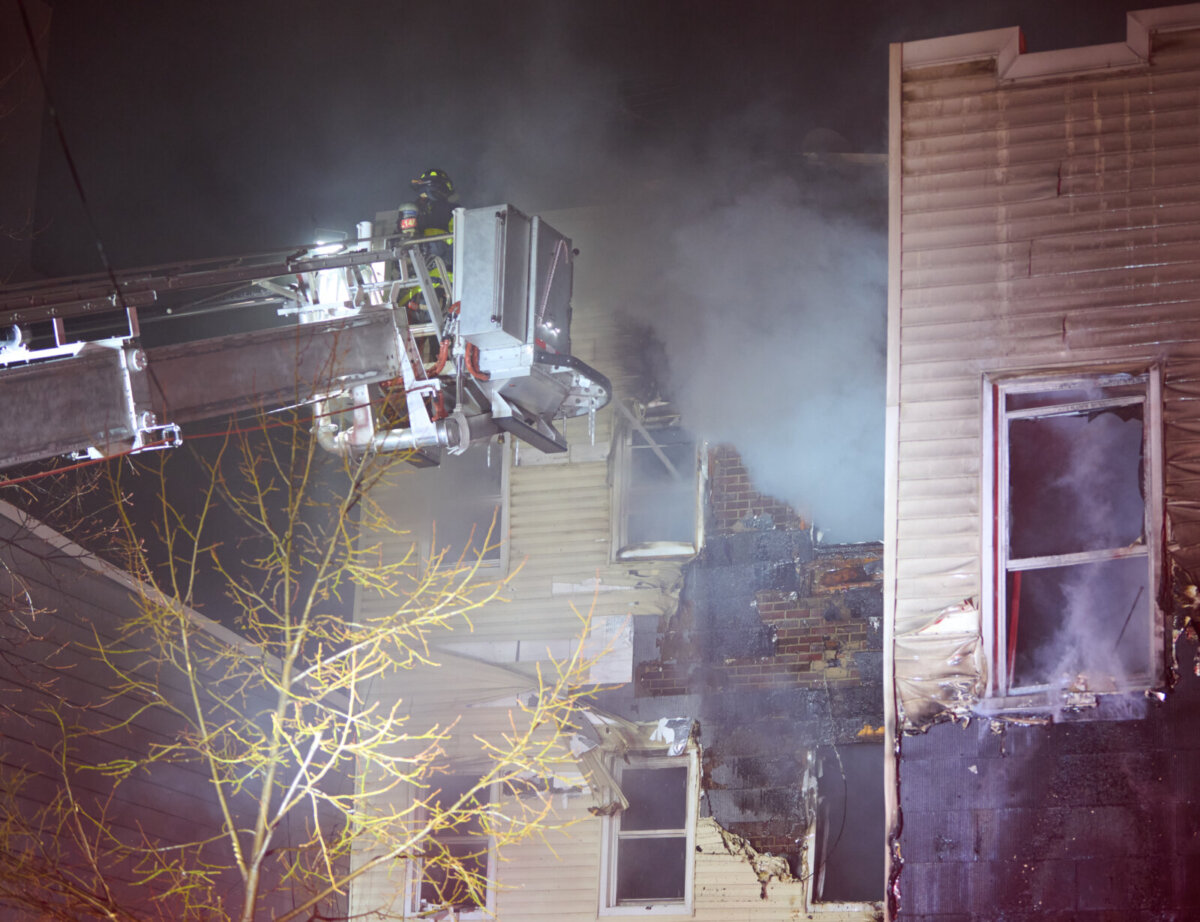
434, 183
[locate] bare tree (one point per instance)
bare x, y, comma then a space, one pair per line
287, 767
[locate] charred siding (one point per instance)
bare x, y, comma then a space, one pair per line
1043, 224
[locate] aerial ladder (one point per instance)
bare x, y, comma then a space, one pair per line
388, 355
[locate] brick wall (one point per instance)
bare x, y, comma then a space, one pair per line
814, 642
735, 504
775, 649
763, 607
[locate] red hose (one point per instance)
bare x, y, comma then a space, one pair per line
1014, 610
443, 355
473, 364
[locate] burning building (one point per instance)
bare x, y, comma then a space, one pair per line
729, 764
1041, 532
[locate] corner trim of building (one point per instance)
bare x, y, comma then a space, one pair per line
891, 768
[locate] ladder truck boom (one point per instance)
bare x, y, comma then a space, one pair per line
369, 321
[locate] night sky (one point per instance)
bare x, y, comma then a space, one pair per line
211, 128
205, 128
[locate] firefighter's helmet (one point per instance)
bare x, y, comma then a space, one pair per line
434, 183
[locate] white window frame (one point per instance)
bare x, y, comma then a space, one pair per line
995, 503
622, 549
611, 839
415, 873
502, 455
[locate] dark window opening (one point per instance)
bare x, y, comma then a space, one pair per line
659, 493
1075, 483
848, 861
1079, 626
662, 501
469, 496
455, 871
1076, 594
447, 884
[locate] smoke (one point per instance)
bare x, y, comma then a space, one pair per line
761, 277
1075, 487
758, 271
1099, 642
765, 307
771, 310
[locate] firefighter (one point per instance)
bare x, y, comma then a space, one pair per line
435, 203
432, 215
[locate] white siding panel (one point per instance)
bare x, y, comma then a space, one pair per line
937, 487
964, 546
936, 449
938, 308
941, 468
946, 408
1045, 223
940, 507
1128, 122
916, 612
1058, 215
1006, 328
935, 429
953, 112
945, 526
922, 157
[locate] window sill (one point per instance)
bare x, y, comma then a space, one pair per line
657, 549
681, 910
1130, 704
842, 908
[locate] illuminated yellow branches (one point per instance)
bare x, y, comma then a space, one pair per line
244, 679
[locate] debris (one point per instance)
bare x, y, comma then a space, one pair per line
765, 865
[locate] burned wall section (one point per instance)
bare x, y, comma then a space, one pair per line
1088, 820
1033, 807
775, 648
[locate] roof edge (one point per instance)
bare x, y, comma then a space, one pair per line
1013, 63
37, 528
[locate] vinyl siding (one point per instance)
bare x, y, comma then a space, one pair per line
1043, 224
60, 600
559, 543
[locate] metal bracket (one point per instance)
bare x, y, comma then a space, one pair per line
528, 426
425, 280
169, 435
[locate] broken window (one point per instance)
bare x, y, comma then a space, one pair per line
457, 868
1076, 510
649, 844
659, 473
845, 842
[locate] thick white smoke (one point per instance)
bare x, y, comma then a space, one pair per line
773, 318
761, 276
771, 312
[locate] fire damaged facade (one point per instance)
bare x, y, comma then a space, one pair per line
1041, 535
729, 763
776, 648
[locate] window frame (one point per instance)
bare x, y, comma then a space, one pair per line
499, 565
414, 875
1000, 692
622, 482
611, 838
812, 781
